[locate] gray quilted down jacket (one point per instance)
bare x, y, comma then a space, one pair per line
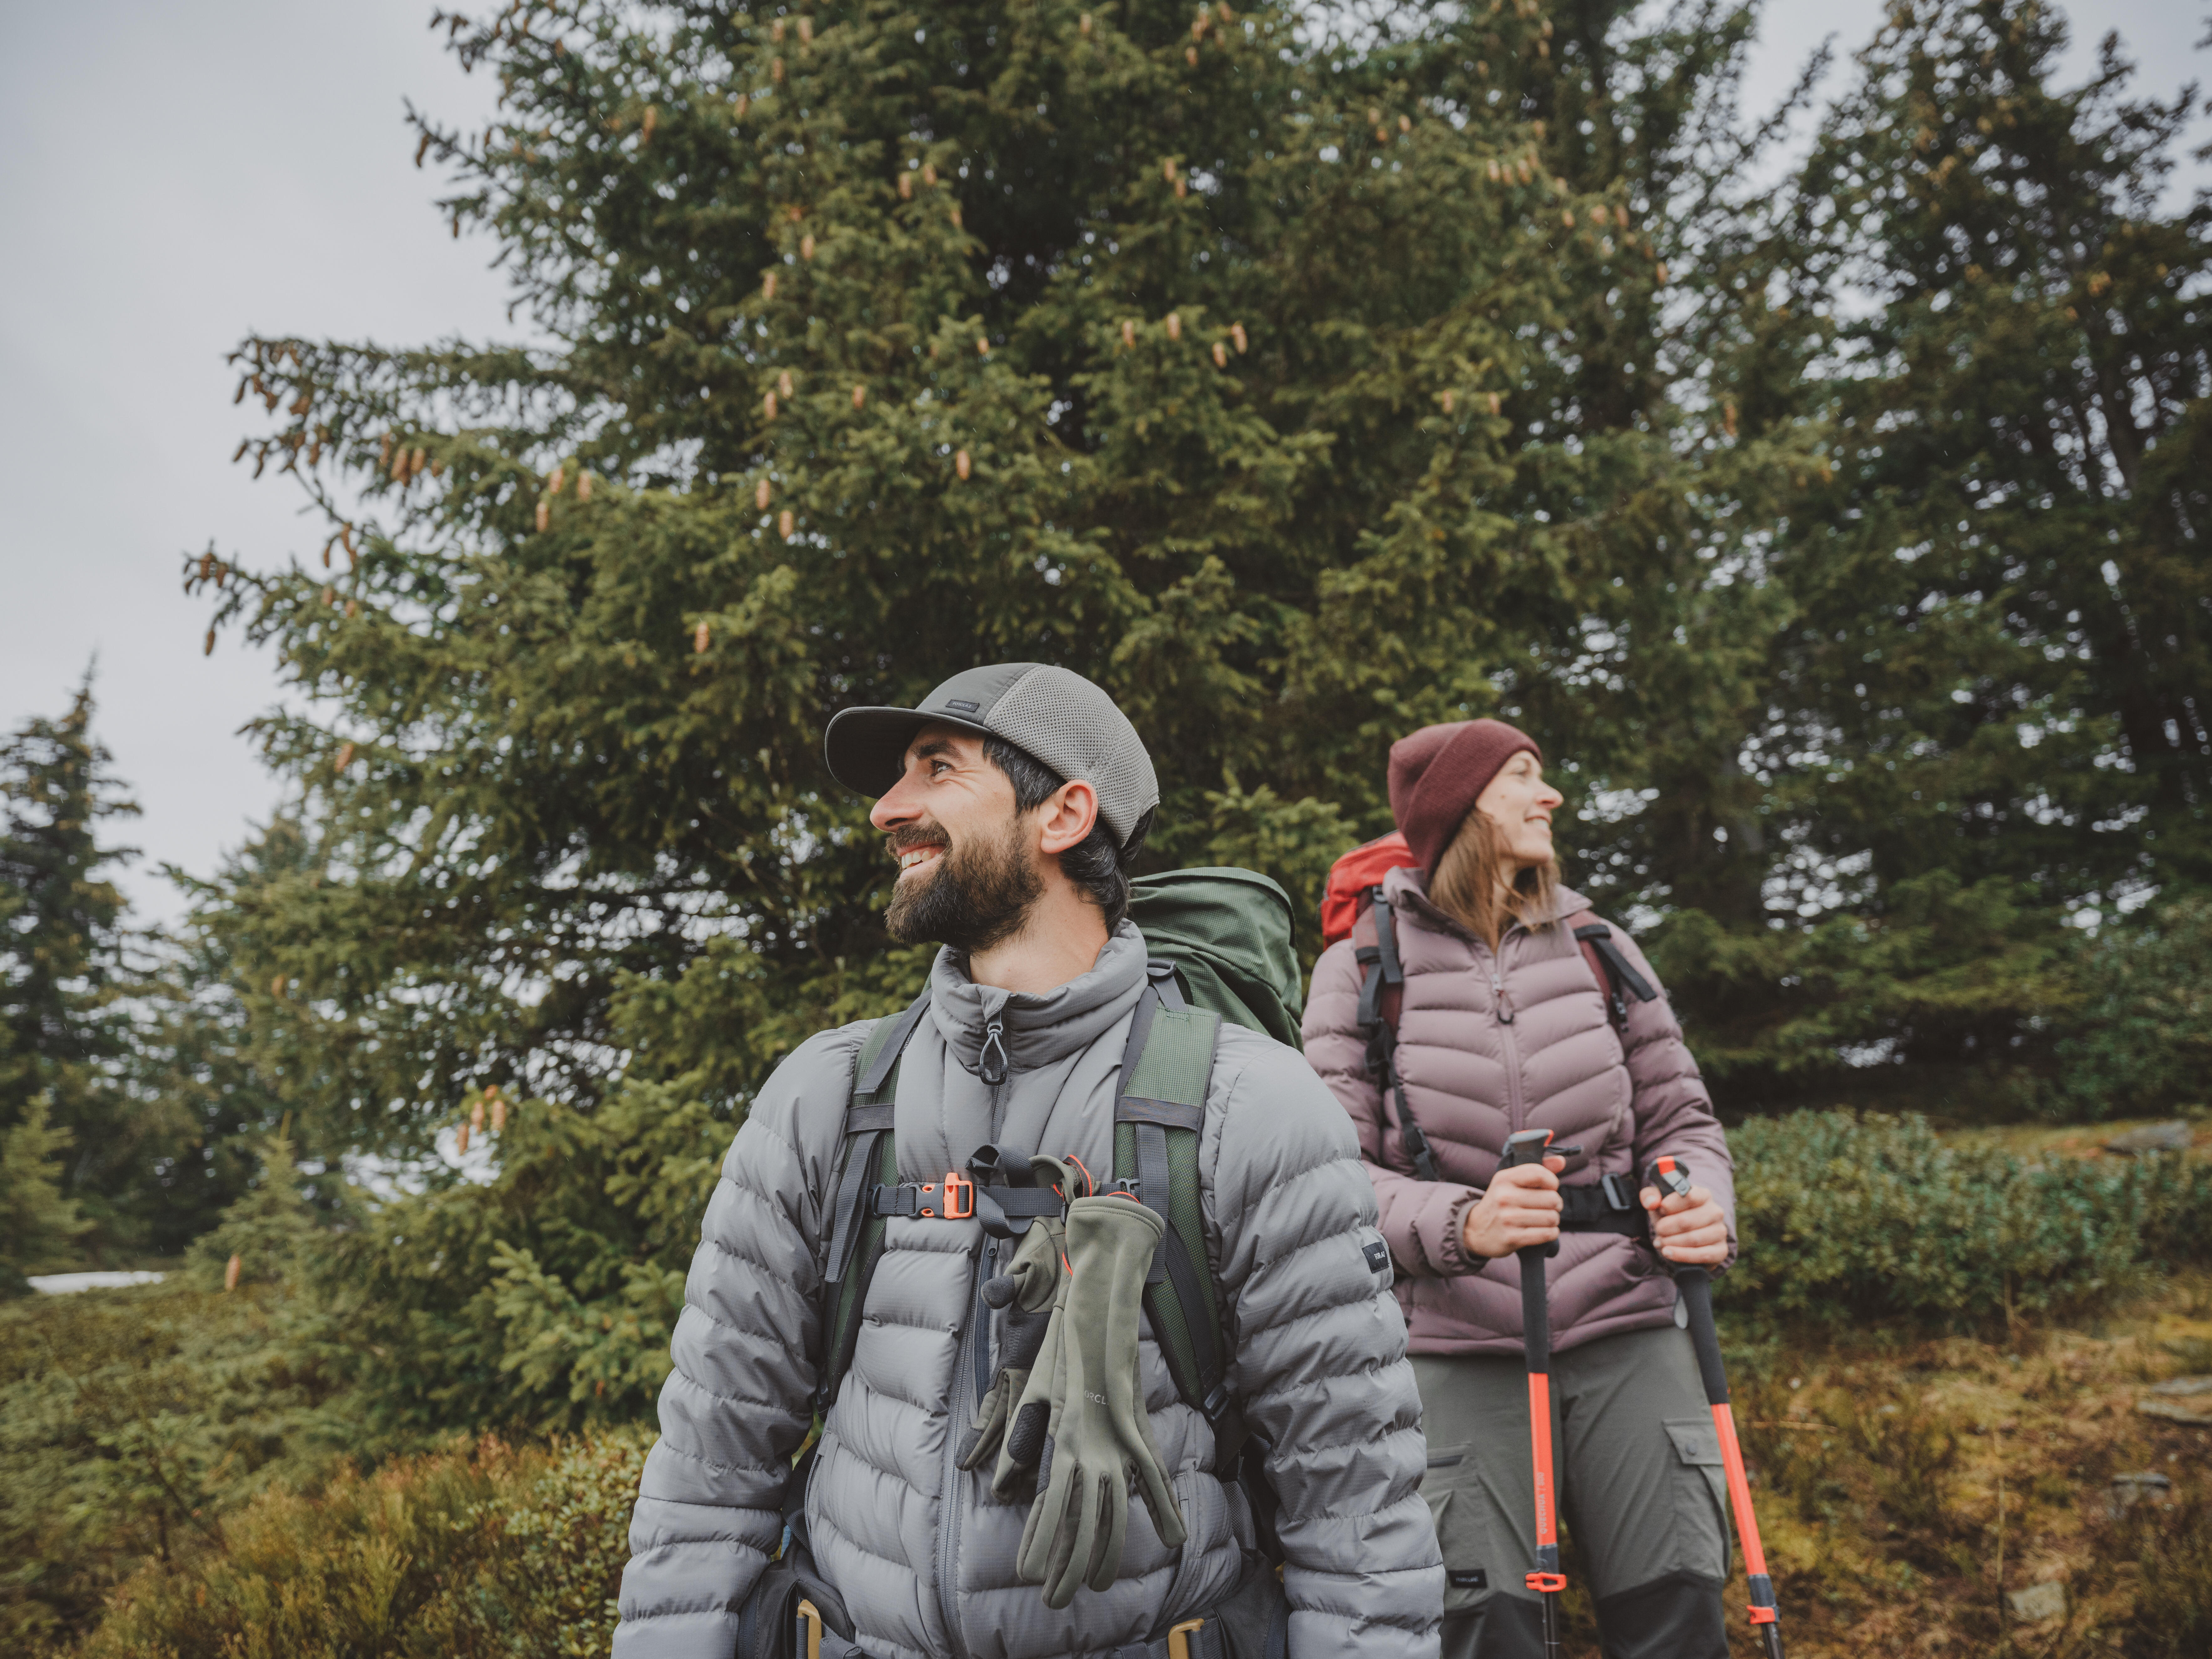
1488, 1045
923, 1555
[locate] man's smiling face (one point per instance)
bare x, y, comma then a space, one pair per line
967, 873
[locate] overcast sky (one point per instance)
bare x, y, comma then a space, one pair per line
179, 174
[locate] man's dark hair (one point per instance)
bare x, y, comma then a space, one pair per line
1094, 864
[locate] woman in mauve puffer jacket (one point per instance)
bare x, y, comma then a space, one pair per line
1505, 1026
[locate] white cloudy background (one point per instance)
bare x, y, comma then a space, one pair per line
174, 175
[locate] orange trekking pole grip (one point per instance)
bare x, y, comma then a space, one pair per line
1671, 1176
1532, 1146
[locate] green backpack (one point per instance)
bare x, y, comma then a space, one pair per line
1220, 944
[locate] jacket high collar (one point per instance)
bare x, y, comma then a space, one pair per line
1038, 1029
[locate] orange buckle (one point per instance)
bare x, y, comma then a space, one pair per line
1547, 1583
956, 1185
1764, 1616
1179, 1638
810, 1631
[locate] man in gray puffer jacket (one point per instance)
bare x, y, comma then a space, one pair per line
1012, 798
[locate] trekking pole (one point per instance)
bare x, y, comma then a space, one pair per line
1671, 1176
1533, 1146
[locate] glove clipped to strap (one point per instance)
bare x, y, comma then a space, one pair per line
1026, 1296
1098, 1437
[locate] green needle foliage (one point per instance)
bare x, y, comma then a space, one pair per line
1987, 704
1301, 375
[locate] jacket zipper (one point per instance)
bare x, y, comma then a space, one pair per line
1503, 1010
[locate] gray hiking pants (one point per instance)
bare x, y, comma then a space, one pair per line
1641, 1491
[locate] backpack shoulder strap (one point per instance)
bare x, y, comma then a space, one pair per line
1159, 1112
1613, 971
870, 1157
1382, 1000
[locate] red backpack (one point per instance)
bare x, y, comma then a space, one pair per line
1350, 908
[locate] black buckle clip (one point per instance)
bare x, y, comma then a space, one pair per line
1620, 1197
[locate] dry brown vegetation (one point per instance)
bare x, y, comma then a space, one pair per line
1903, 1485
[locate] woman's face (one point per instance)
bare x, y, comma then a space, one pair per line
1521, 804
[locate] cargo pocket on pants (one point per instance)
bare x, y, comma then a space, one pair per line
1701, 1530
1455, 1493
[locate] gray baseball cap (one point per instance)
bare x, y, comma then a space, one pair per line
1053, 714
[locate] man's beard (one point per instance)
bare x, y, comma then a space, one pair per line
978, 896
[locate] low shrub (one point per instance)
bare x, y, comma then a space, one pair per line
1850, 1218
486, 1551
131, 1422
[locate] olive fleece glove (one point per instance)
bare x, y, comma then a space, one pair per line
1098, 1438
1025, 1294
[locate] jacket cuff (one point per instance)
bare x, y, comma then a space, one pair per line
1451, 1257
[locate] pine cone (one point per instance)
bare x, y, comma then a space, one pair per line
645, 128
498, 1108
760, 495
544, 516
208, 649
230, 1271
783, 384
960, 464
906, 186
1236, 333
1175, 326
806, 245
1220, 355
1083, 24
700, 638
476, 1115
768, 286
786, 523
344, 759
583, 486
560, 476
745, 103
929, 173
461, 1141
768, 406
860, 396
1128, 332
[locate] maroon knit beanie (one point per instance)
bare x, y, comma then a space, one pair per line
1435, 775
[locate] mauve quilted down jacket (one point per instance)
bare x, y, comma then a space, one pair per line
1487, 1046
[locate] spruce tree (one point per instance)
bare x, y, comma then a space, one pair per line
1300, 377
1987, 689
66, 966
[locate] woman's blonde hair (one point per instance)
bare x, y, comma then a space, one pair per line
1471, 885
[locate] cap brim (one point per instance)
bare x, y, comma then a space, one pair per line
865, 748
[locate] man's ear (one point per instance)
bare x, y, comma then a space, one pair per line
1065, 818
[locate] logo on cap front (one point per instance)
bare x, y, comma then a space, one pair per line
963, 705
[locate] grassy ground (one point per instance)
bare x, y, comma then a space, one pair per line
1903, 1486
